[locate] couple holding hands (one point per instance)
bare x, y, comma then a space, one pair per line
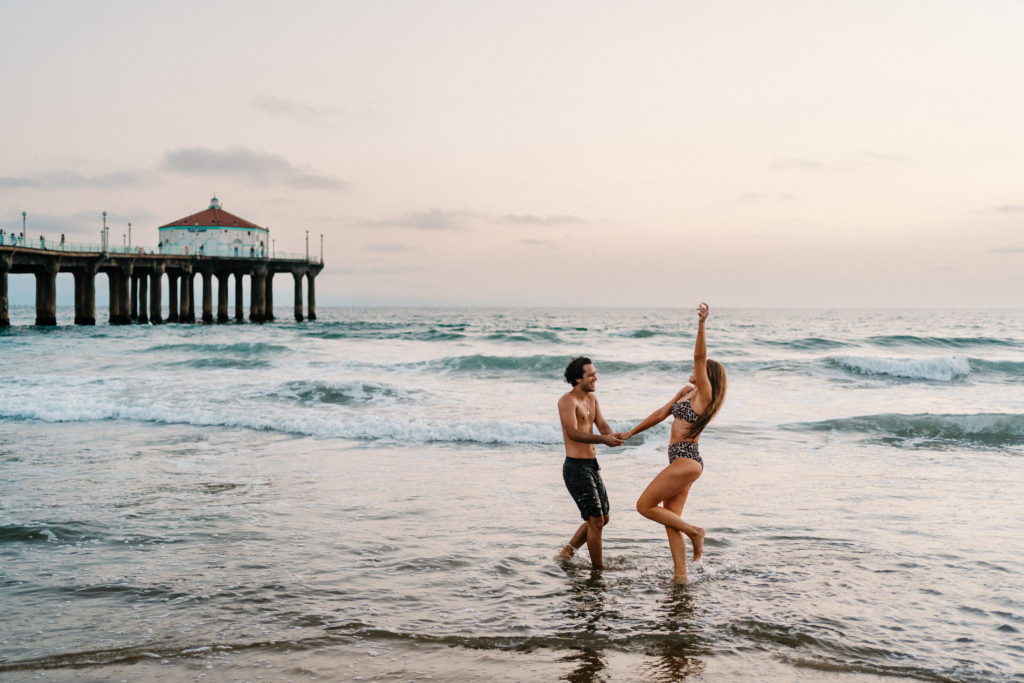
662, 501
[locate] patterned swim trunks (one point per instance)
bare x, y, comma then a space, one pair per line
583, 479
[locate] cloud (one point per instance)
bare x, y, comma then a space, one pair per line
440, 220
884, 158
377, 270
434, 219
527, 219
20, 182
796, 164
865, 160
81, 223
285, 107
71, 180
759, 199
243, 162
1010, 208
390, 247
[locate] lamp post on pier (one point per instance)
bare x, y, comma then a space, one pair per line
105, 235
129, 234
321, 247
24, 237
307, 246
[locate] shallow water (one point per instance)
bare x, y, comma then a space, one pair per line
378, 494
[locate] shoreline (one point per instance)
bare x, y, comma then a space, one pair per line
354, 658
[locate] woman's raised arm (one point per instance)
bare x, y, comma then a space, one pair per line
700, 361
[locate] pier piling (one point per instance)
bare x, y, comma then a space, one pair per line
5, 266
136, 285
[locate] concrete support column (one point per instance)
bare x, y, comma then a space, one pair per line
113, 299
311, 295
268, 298
5, 311
239, 304
79, 296
142, 316
89, 300
257, 294
222, 297
185, 297
207, 297
133, 300
85, 297
298, 295
46, 296
191, 297
123, 292
172, 297
156, 301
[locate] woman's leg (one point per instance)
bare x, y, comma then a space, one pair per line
676, 541
669, 483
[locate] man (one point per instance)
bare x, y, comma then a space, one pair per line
579, 412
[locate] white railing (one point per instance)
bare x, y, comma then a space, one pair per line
171, 250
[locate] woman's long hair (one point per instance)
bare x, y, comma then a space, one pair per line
716, 373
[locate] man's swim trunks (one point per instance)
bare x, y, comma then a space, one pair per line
583, 479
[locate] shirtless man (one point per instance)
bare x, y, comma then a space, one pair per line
579, 413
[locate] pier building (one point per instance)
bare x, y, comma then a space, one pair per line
212, 244
214, 232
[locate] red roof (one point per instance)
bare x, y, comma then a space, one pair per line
212, 218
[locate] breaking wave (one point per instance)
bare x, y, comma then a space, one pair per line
353, 392
927, 430
935, 369
947, 342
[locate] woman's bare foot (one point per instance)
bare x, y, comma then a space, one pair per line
566, 553
697, 538
680, 579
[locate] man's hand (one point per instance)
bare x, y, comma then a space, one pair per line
613, 440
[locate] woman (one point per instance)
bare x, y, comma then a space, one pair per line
692, 407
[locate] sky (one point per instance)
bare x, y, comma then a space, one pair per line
574, 153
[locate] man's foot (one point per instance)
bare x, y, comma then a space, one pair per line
680, 579
566, 553
697, 537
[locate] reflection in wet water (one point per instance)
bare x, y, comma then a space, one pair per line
672, 650
676, 655
585, 613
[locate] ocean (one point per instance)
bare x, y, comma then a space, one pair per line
377, 495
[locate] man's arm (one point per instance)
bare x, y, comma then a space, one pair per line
599, 420
567, 415
605, 428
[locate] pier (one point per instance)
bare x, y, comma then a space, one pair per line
137, 281
209, 244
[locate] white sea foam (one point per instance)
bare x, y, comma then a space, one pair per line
318, 421
942, 368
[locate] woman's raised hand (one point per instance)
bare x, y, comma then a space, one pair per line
702, 312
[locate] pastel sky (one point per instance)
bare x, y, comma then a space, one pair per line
570, 153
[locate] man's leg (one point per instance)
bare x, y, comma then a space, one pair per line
574, 544
594, 526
